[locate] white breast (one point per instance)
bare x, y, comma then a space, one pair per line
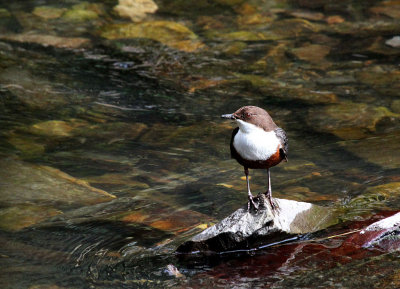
253, 143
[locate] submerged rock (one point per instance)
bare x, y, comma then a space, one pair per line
387, 158
247, 230
83, 12
23, 182
313, 53
53, 128
170, 33
48, 40
393, 42
48, 12
21, 216
348, 120
136, 10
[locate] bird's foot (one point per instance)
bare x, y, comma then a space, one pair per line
251, 203
272, 202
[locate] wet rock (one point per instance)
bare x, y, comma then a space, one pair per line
169, 33
165, 217
48, 40
334, 19
111, 131
383, 235
313, 53
233, 48
306, 14
385, 80
242, 35
54, 128
246, 230
136, 10
389, 190
348, 120
393, 42
379, 46
21, 216
386, 158
387, 8
48, 12
364, 29
27, 183
289, 28
84, 11
395, 106
275, 61
121, 180
4, 13
229, 2
204, 84
275, 89
31, 90
253, 19
28, 147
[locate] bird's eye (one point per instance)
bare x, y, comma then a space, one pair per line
247, 114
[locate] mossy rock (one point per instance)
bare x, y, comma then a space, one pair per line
348, 120
169, 33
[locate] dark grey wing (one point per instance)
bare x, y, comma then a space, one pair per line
281, 134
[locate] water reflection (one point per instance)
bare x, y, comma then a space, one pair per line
112, 151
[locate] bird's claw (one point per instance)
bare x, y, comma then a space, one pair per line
251, 203
272, 202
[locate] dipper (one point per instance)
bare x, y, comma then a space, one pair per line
258, 143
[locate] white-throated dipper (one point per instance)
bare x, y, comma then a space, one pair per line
258, 143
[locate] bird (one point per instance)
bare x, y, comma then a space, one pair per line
257, 143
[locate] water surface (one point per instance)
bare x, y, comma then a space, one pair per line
113, 152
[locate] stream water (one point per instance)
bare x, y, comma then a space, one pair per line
112, 150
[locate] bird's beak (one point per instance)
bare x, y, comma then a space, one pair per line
228, 116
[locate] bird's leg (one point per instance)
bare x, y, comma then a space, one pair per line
268, 194
250, 196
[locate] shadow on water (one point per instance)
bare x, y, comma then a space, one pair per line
112, 151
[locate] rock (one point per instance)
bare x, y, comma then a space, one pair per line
34, 92
21, 216
247, 230
393, 42
383, 235
48, 40
253, 19
232, 48
48, 12
111, 131
384, 79
334, 19
28, 147
313, 53
4, 13
389, 190
52, 128
306, 14
229, 2
348, 120
242, 35
387, 8
386, 158
169, 33
84, 11
395, 106
27, 183
289, 28
117, 180
136, 10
